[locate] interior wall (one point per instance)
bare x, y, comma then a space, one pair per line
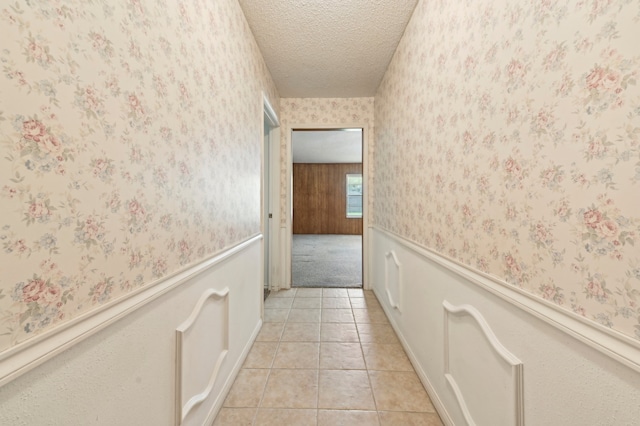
507, 140
126, 373
131, 148
319, 199
310, 112
321, 113
565, 381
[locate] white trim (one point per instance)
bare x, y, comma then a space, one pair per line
428, 386
182, 411
215, 409
268, 109
460, 399
272, 191
449, 308
612, 343
288, 213
25, 356
508, 357
274, 240
392, 255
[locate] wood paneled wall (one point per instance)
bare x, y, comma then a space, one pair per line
319, 199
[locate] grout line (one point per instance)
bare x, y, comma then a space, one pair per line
264, 391
320, 344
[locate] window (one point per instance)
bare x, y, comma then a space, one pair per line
354, 196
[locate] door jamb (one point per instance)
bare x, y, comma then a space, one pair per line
273, 192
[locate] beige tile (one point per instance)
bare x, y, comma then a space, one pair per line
235, 417
338, 332
337, 315
363, 302
297, 355
291, 389
370, 316
307, 302
261, 355
399, 391
345, 390
278, 302
355, 292
382, 356
301, 332
247, 389
270, 332
347, 418
304, 315
336, 303
291, 292
309, 292
389, 418
377, 333
282, 417
335, 292
275, 315
341, 356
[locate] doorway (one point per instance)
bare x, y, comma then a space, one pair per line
327, 208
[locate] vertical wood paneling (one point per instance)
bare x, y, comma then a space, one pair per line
319, 199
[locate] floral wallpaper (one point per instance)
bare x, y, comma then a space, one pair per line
130, 139
322, 112
508, 139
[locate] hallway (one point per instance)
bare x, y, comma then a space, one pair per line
326, 357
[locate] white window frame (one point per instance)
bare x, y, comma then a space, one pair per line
351, 194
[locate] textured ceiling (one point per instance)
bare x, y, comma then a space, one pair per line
327, 146
327, 48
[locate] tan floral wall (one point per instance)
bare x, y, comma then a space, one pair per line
508, 138
308, 112
130, 139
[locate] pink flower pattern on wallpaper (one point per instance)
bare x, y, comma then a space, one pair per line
322, 112
508, 138
130, 148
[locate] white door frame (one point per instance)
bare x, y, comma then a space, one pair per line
271, 189
286, 230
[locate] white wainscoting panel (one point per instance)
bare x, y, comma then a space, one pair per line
393, 279
576, 373
118, 366
485, 377
202, 343
22, 358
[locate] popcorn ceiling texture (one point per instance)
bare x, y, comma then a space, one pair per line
508, 139
328, 48
130, 147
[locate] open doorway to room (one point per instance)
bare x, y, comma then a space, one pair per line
327, 226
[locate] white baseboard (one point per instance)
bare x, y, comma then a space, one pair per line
417, 366
217, 406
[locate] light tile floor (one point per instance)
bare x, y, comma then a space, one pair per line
326, 357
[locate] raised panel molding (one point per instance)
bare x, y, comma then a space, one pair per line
393, 287
24, 357
202, 344
472, 359
609, 342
